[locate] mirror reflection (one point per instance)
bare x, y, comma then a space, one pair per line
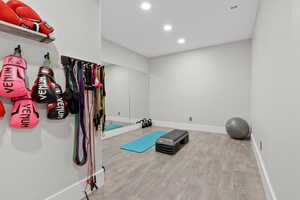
117, 97
126, 96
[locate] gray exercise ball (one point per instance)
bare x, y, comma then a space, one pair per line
238, 128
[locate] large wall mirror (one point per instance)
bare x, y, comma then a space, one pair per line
138, 93
126, 96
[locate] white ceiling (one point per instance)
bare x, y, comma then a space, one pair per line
202, 22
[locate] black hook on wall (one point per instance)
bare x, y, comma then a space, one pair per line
18, 51
66, 60
47, 56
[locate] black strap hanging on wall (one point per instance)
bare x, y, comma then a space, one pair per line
72, 93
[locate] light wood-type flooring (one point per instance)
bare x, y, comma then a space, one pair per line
210, 167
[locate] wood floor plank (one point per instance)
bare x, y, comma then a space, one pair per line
209, 167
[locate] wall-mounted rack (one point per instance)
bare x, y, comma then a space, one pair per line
66, 60
25, 33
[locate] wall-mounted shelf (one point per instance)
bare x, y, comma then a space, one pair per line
25, 33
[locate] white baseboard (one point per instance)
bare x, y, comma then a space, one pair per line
270, 194
118, 119
75, 191
122, 119
192, 127
119, 131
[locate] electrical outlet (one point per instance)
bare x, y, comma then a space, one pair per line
261, 146
190, 119
119, 113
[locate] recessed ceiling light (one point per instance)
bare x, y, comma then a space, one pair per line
168, 27
146, 6
181, 41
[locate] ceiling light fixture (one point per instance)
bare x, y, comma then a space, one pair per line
168, 27
181, 41
146, 6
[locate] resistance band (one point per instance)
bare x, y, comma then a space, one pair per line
80, 156
85, 89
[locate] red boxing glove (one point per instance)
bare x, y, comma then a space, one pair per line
2, 109
26, 12
58, 110
24, 114
8, 15
43, 90
12, 77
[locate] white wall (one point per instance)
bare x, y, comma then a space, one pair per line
37, 163
117, 91
127, 76
115, 54
139, 95
210, 84
275, 93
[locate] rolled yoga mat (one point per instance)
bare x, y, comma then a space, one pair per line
144, 143
112, 127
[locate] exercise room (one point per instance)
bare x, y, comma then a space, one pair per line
149, 99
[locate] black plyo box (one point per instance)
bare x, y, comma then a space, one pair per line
172, 142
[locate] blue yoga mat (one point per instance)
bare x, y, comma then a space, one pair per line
144, 143
112, 126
